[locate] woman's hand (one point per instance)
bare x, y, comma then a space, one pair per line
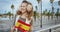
12, 29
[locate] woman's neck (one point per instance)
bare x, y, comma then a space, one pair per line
24, 16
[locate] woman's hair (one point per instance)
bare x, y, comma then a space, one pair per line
30, 14
25, 1
19, 12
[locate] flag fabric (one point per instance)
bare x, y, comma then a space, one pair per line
21, 25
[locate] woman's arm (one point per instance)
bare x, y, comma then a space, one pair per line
13, 28
30, 21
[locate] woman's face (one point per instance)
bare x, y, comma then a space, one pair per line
23, 7
29, 7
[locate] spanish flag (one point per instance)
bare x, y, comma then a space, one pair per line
21, 25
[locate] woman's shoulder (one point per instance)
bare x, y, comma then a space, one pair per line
17, 15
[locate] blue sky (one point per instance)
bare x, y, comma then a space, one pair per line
5, 5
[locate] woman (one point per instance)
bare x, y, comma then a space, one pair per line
21, 13
30, 14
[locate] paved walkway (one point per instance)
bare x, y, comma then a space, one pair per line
6, 24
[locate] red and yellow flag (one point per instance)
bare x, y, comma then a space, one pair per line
21, 25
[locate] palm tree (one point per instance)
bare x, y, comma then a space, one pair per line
48, 14
57, 13
36, 7
9, 13
52, 12
59, 2
51, 1
41, 11
12, 7
35, 15
44, 12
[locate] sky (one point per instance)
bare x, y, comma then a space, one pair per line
5, 5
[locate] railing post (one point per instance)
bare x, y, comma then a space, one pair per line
49, 30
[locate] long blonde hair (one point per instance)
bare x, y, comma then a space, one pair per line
30, 14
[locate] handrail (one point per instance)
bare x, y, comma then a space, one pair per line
50, 27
